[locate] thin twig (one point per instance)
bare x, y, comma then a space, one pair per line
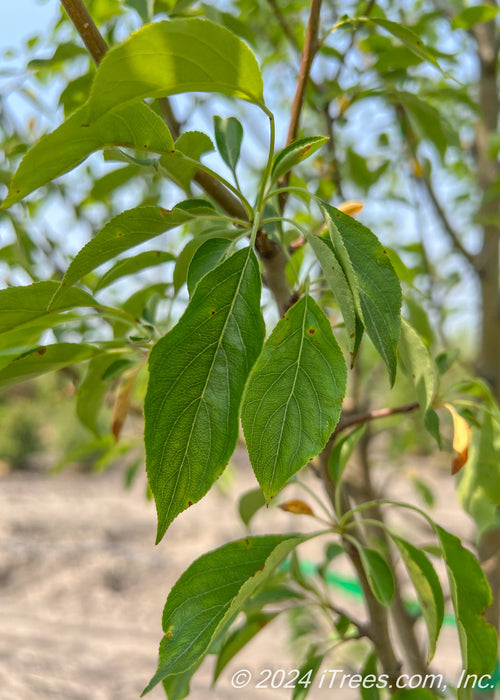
284, 25
360, 418
272, 255
84, 24
452, 234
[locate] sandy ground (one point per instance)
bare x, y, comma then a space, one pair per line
82, 585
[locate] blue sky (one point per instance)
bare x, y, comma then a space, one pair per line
20, 19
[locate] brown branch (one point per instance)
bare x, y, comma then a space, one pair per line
271, 253
308, 54
84, 25
359, 418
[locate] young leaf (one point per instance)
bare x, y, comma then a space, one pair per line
471, 596
45, 359
407, 37
92, 390
378, 573
473, 15
307, 673
135, 126
427, 587
191, 144
172, 57
208, 256
228, 136
187, 253
294, 395
374, 284
418, 365
129, 266
239, 637
369, 691
338, 284
295, 153
210, 594
342, 452
249, 504
479, 488
197, 374
125, 231
428, 122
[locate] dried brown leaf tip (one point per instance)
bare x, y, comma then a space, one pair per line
122, 402
297, 508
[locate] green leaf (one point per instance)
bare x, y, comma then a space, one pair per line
407, 37
428, 122
342, 452
187, 253
374, 284
479, 487
45, 359
197, 375
369, 690
191, 144
249, 504
294, 395
130, 266
307, 673
427, 587
471, 596
239, 637
135, 126
378, 573
24, 309
228, 136
417, 364
125, 231
106, 185
295, 153
92, 390
144, 8
338, 284
168, 58
210, 594
208, 256
474, 15
414, 694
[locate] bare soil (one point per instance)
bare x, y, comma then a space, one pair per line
82, 585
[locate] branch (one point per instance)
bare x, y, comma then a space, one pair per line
271, 253
84, 25
359, 418
452, 234
308, 54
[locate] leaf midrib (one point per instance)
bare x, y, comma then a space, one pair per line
299, 356
209, 374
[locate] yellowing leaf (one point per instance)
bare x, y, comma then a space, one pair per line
344, 103
351, 207
416, 168
297, 508
461, 439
